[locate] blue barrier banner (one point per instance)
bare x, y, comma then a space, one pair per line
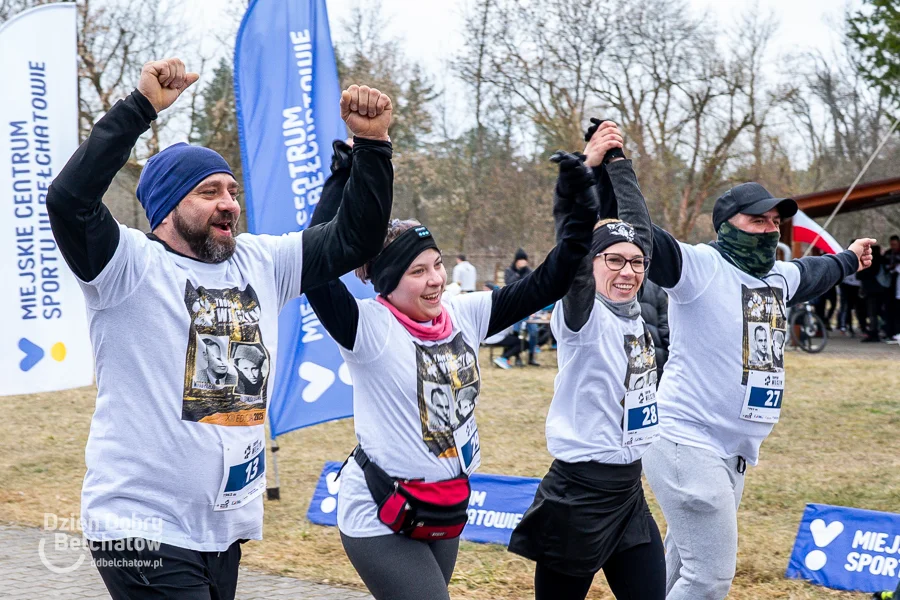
847, 549
288, 110
496, 505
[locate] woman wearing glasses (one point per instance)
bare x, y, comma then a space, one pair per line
589, 512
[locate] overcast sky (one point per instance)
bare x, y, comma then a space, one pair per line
431, 30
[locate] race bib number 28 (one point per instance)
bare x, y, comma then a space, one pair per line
641, 417
762, 400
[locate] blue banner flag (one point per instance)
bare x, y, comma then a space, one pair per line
496, 505
847, 549
288, 111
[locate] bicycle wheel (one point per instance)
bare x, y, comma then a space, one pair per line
808, 331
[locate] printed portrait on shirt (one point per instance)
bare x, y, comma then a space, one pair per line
778, 339
764, 329
252, 366
641, 361
227, 364
448, 389
212, 368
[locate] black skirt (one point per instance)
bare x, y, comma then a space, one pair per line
582, 514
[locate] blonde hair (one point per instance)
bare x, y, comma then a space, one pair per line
395, 228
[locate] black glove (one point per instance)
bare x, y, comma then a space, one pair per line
574, 175
610, 154
342, 157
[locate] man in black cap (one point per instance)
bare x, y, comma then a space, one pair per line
175, 457
718, 399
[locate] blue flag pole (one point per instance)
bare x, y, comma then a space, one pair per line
287, 98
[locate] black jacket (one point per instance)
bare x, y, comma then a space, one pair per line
655, 311
869, 277
512, 274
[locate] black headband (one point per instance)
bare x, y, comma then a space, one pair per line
389, 266
612, 233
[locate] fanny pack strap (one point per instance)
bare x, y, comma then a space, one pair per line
380, 484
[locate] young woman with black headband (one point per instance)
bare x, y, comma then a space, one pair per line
589, 512
413, 359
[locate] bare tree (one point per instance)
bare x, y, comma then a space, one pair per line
546, 58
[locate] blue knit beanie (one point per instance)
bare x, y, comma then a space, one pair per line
170, 175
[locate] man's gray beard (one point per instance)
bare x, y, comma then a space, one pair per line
202, 242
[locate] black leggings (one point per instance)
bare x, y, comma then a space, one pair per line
638, 573
395, 567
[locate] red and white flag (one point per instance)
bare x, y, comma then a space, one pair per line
808, 231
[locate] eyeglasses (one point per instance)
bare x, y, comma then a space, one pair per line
616, 262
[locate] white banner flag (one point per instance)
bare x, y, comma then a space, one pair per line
45, 346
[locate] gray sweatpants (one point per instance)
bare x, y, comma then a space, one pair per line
699, 494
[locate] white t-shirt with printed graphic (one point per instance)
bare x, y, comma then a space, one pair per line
722, 323
597, 365
185, 353
408, 394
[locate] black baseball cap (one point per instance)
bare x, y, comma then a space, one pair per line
750, 199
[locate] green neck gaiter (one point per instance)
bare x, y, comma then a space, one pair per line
753, 253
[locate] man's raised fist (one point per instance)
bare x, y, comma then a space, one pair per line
162, 81
367, 112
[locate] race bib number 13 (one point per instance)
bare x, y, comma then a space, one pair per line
762, 400
245, 475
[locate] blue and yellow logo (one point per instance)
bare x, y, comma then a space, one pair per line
34, 353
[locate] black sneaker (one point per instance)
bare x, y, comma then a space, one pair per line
533, 363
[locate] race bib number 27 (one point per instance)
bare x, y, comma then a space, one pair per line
762, 400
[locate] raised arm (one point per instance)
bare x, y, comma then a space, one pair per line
335, 306
818, 274
604, 146
577, 198
84, 229
356, 232
615, 179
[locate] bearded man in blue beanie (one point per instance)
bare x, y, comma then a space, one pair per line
175, 457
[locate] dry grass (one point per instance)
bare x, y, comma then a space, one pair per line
836, 443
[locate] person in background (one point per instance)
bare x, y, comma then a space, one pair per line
512, 347
874, 293
893, 301
655, 310
516, 271
825, 312
464, 274
850, 303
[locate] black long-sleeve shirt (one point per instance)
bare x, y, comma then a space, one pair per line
339, 314
615, 180
88, 235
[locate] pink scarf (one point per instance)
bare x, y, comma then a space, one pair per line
439, 329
